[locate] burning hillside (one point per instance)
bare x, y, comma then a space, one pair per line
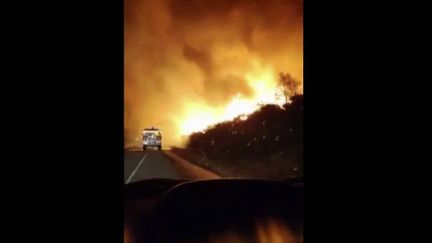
191, 64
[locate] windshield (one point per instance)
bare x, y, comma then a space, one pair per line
220, 85
148, 134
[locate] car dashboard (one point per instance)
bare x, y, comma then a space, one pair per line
221, 210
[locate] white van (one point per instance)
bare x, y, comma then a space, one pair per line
152, 137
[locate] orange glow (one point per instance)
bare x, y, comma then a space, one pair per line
274, 231
197, 118
268, 231
189, 64
127, 235
266, 90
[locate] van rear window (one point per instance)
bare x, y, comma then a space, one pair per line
156, 133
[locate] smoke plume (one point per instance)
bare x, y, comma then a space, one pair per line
196, 55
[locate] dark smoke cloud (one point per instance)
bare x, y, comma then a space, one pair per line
179, 51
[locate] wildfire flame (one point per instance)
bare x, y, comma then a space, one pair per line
266, 90
189, 64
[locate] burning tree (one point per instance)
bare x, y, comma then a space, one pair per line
290, 85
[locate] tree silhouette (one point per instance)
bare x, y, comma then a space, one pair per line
289, 83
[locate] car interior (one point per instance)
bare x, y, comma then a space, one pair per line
219, 210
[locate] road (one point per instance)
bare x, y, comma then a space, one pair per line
141, 165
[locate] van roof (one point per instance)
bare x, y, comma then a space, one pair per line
151, 129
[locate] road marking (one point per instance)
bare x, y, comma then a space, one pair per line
190, 169
133, 172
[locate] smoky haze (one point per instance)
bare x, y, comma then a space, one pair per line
182, 52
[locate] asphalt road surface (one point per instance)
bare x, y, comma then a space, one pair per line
141, 165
